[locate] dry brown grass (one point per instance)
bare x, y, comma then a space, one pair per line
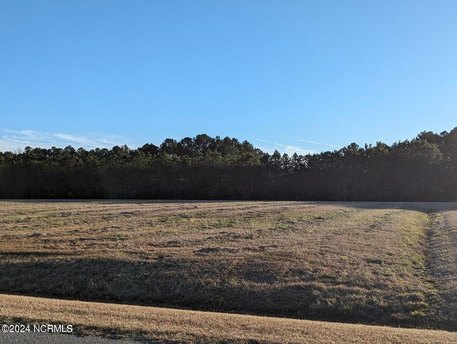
203, 327
351, 262
442, 264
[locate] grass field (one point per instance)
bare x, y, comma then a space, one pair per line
375, 263
179, 326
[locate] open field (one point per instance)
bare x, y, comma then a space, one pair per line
171, 325
377, 263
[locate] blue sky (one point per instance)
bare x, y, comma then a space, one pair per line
293, 75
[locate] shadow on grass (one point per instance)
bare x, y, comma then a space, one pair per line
182, 285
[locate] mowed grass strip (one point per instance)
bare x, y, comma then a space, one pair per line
442, 265
171, 325
351, 262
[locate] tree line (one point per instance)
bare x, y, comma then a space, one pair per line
203, 167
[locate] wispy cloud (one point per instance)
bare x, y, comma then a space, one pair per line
14, 140
284, 148
318, 143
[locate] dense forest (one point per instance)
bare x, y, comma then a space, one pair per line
421, 169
